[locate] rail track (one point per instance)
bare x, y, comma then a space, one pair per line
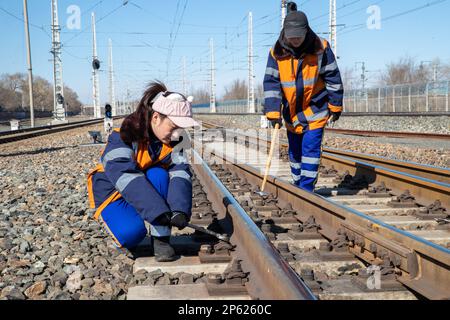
22, 134
394, 134
248, 267
365, 211
416, 169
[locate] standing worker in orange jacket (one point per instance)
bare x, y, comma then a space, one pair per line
302, 76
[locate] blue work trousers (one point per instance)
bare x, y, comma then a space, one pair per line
125, 224
304, 157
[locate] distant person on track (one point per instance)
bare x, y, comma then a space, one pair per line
303, 85
140, 179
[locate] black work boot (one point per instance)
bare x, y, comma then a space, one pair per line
162, 249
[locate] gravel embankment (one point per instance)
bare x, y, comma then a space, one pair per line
50, 248
402, 124
435, 153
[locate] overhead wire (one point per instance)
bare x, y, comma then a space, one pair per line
394, 16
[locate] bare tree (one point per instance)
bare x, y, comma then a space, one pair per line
442, 70
42, 94
201, 95
405, 70
349, 79
73, 105
446, 72
260, 91
236, 90
12, 91
14, 94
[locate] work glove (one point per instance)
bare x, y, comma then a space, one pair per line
335, 116
163, 219
273, 122
179, 220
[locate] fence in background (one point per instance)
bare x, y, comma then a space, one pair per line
432, 97
424, 97
230, 106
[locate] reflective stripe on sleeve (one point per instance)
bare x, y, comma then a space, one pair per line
179, 174
125, 180
272, 72
329, 68
117, 153
272, 94
334, 87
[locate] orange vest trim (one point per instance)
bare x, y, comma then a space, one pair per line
98, 168
144, 161
273, 115
334, 108
103, 223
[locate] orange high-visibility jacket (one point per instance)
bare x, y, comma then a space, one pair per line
121, 173
307, 88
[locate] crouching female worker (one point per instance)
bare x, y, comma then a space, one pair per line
139, 179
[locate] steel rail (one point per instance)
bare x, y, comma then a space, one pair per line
395, 134
424, 190
28, 133
422, 170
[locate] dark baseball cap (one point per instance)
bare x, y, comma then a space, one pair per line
295, 24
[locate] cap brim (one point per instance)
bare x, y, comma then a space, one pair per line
295, 33
184, 122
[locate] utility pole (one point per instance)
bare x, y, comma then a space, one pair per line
251, 87
363, 76
283, 12
434, 71
95, 76
363, 73
184, 75
59, 112
333, 25
30, 68
363, 82
434, 65
128, 105
212, 90
122, 107
112, 94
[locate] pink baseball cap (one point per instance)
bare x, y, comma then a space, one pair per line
176, 108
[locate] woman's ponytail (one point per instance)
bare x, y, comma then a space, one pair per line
135, 127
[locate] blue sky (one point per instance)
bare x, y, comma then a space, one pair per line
144, 32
